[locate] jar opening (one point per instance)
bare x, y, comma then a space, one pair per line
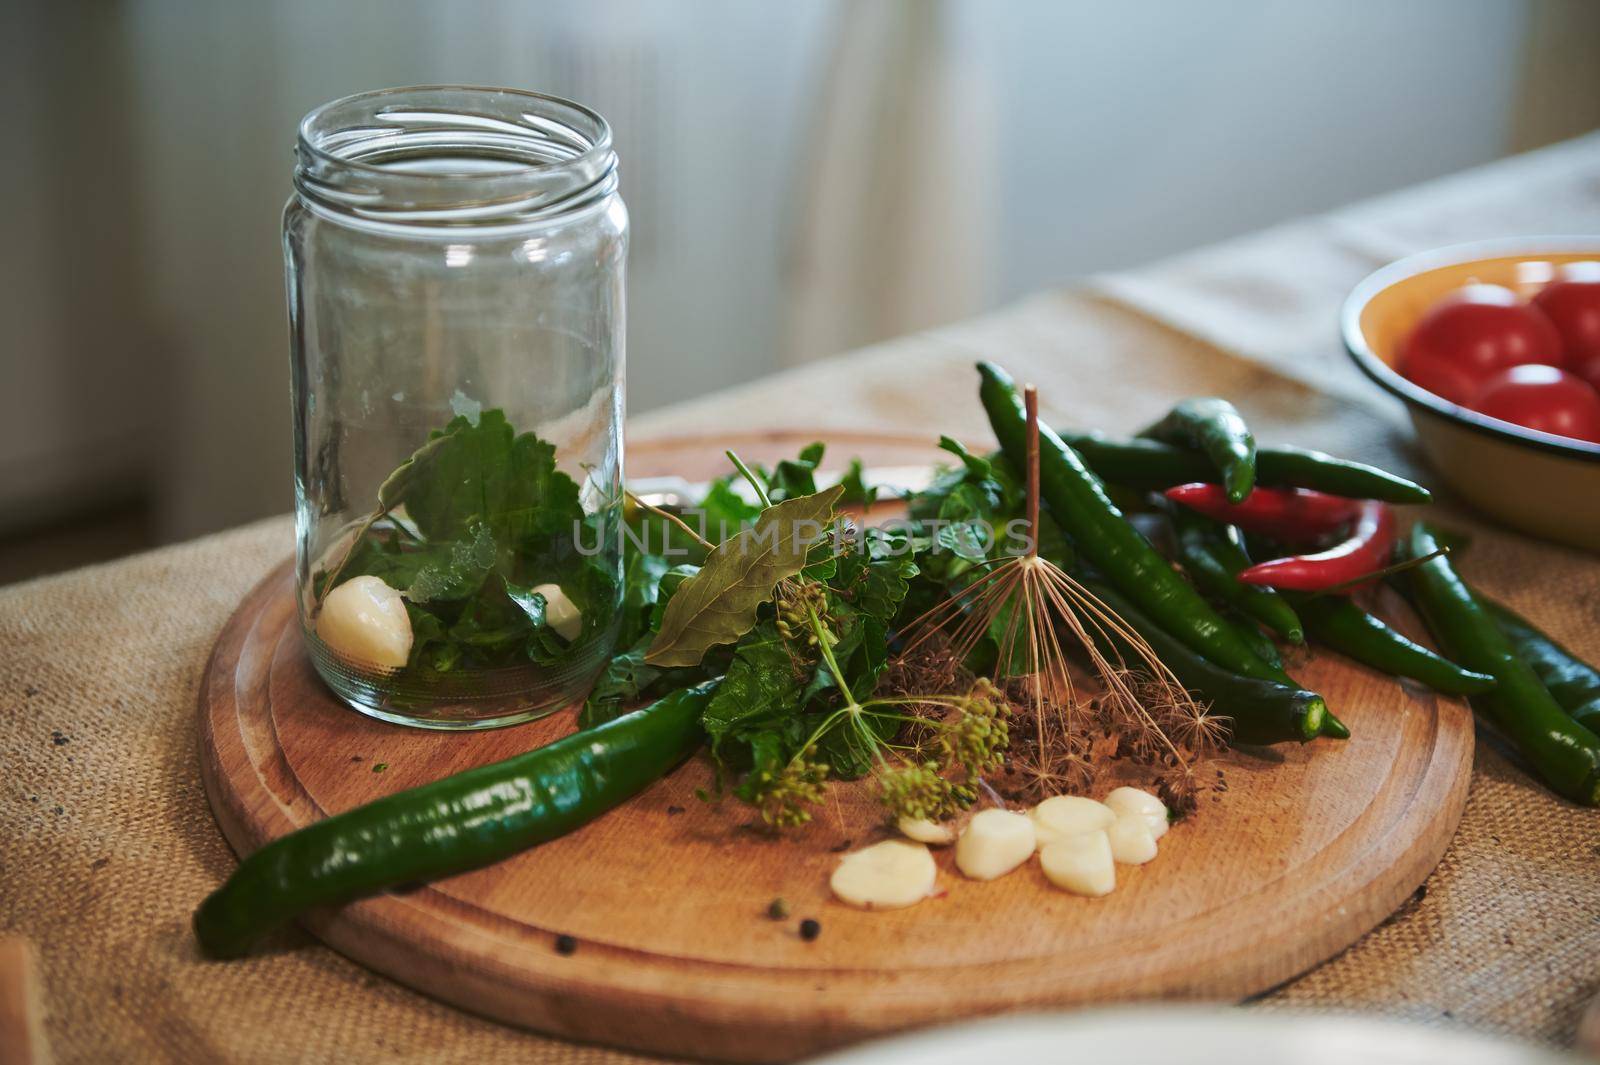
454, 155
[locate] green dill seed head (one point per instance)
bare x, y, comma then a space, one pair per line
975, 737
916, 791
785, 796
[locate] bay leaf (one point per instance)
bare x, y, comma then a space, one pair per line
719, 603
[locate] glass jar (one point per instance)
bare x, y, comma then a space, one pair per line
454, 262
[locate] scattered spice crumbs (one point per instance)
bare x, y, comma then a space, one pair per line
841, 846
380, 767
674, 811
778, 909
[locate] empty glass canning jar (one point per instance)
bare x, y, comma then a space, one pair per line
454, 261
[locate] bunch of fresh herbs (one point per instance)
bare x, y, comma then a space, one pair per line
466, 528
795, 608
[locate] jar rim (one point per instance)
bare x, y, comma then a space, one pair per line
550, 155
598, 144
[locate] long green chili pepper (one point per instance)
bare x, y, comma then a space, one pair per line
1106, 539
1261, 711
1333, 620
452, 825
1251, 634
1572, 682
1564, 753
1212, 426
1152, 465
1213, 556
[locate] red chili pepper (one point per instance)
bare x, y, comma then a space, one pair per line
1365, 552
1296, 515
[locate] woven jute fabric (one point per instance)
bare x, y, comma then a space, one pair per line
107, 842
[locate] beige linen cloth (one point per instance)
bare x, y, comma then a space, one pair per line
106, 841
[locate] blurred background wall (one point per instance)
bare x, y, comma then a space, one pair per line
804, 177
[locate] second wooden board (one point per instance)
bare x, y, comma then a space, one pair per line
666, 897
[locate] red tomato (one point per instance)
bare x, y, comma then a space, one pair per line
1572, 303
1470, 335
1590, 372
1545, 398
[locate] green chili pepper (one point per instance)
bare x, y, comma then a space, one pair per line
1336, 622
1564, 753
452, 825
1252, 635
1152, 465
1572, 682
1261, 711
1211, 426
1103, 536
1212, 556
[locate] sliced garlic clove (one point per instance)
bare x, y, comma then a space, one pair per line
924, 831
1081, 864
1131, 840
1133, 801
364, 622
559, 611
994, 843
885, 876
1069, 815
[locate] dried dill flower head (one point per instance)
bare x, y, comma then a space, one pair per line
1178, 788
1197, 729
917, 791
785, 796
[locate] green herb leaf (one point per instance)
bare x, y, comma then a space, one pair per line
393, 490
856, 491
718, 604
487, 473
671, 581
793, 478
761, 687
723, 512
453, 571
624, 680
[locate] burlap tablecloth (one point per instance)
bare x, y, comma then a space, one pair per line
106, 842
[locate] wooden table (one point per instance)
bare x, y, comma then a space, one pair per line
107, 843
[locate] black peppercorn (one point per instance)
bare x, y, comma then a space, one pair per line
565, 944
810, 929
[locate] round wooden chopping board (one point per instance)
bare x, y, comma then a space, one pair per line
666, 897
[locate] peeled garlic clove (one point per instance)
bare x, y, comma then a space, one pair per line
1131, 840
559, 611
1133, 801
1069, 815
924, 831
364, 622
885, 876
1081, 864
994, 843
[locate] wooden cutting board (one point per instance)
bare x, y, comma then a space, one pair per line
666, 897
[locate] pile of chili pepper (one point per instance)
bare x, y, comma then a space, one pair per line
1273, 539
1285, 540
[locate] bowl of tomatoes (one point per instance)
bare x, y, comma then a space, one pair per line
1495, 350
